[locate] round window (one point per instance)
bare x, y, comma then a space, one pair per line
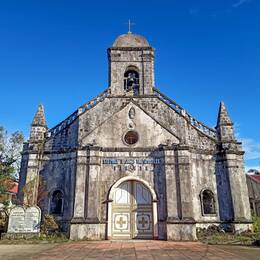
131, 137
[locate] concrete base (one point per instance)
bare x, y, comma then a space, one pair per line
184, 232
245, 227
87, 231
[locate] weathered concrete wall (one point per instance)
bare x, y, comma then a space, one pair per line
160, 112
203, 177
102, 176
88, 231
111, 132
239, 192
183, 232
66, 138
226, 211
58, 173
121, 59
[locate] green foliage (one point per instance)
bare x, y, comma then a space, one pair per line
35, 239
3, 220
10, 155
246, 238
214, 235
60, 237
28, 191
256, 223
49, 225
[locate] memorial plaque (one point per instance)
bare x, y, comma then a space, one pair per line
16, 220
24, 220
32, 220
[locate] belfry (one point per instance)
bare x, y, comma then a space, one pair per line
133, 164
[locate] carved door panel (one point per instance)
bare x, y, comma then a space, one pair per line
121, 216
142, 211
132, 211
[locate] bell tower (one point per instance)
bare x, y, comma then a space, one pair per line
131, 66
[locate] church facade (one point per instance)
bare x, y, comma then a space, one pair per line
132, 163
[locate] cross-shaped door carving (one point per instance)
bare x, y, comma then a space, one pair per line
121, 222
143, 222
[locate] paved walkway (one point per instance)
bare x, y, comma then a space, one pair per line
127, 250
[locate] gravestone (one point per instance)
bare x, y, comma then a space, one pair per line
16, 220
32, 220
24, 220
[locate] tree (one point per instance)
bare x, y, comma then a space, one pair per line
10, 158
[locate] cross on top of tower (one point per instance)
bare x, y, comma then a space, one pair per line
129, 25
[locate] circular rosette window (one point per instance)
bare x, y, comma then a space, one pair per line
131, 137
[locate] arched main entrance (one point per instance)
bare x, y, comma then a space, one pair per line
132, 210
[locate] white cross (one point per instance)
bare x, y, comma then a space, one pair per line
129, 26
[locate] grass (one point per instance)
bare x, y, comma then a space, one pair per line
256, 223
235, 239
213, 235
42, 238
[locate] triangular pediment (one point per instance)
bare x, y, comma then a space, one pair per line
111, 132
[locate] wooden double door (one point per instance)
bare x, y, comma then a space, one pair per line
132, 216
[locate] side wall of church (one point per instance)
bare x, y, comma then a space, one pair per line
65, 138
226, 211
203, 177
58, 174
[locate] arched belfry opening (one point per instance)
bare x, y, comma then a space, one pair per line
131, 80
131, 66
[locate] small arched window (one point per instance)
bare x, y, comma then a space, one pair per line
131, 80
208, 202
56, 204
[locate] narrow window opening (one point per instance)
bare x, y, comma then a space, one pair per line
56, 203
208, 202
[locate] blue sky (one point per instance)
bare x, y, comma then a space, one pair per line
54, 52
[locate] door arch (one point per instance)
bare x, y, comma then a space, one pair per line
132, 210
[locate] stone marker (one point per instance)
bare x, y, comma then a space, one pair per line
16, 220
32, 220
24, 220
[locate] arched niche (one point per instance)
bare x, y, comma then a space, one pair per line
132, 80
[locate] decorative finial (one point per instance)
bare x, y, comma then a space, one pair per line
223, 116
129, 25
39, 118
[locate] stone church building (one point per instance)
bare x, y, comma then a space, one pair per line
132, 163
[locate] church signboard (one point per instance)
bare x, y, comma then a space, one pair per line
132, 161
24, 220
